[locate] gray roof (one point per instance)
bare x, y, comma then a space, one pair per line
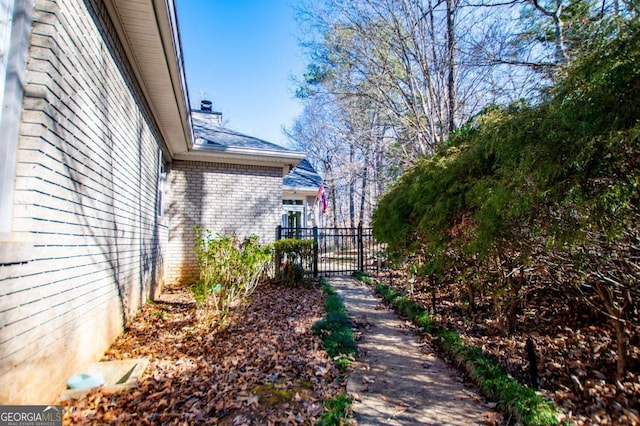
218, 138
303, 176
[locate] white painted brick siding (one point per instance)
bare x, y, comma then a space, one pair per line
85, 197
223, 198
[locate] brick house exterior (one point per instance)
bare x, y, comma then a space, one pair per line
228, 183
100, 183
222, 198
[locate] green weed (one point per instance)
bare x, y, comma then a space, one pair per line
337, 411
336, 330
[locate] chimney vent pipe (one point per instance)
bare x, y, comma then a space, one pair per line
206, 105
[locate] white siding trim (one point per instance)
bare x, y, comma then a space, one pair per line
14, 46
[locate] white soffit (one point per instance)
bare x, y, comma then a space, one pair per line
299, 192
246, 157
149, 33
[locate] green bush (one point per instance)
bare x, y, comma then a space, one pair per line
337, 411
529, 185
229, 272
292, 257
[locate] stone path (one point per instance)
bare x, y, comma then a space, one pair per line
397, 380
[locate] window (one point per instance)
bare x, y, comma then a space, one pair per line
293, 215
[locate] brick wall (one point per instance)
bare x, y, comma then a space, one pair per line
85, 198
223, 198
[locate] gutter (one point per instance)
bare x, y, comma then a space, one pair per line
286, 160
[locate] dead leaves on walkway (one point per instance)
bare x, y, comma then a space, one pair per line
575, 349
267, 367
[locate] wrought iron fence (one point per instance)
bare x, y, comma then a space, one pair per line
340, 251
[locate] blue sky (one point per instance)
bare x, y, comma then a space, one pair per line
241, 54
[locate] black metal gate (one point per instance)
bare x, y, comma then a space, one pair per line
340, 251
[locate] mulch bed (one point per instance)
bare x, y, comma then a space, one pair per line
267, 367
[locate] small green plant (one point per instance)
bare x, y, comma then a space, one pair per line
359, 275
160, 314
406, 306
339, 341
336, 330
229, 272
337, 411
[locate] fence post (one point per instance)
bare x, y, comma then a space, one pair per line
360, 248
315, 252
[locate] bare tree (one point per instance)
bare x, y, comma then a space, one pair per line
401, 75
398, 57
554, 11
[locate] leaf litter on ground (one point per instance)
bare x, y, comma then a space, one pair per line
574, 345
267, 367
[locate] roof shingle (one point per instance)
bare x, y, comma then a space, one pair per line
216, 137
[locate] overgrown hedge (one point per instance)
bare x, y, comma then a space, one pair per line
545, 192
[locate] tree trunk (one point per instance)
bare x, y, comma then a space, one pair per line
562, 57
621, 347
615, 313
451, 77
509, 303
363, 187
561, 50
380, 167
352, 207
512, 315
471, 292
515, 287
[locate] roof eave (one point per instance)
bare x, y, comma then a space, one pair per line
163, 83
235, 150
245, 157
300, 190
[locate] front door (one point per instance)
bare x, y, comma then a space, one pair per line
293, 217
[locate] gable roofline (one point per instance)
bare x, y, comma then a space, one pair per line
304, 179
148, 31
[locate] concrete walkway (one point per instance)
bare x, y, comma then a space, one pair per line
397, 380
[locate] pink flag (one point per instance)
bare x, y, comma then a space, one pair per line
322, 196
